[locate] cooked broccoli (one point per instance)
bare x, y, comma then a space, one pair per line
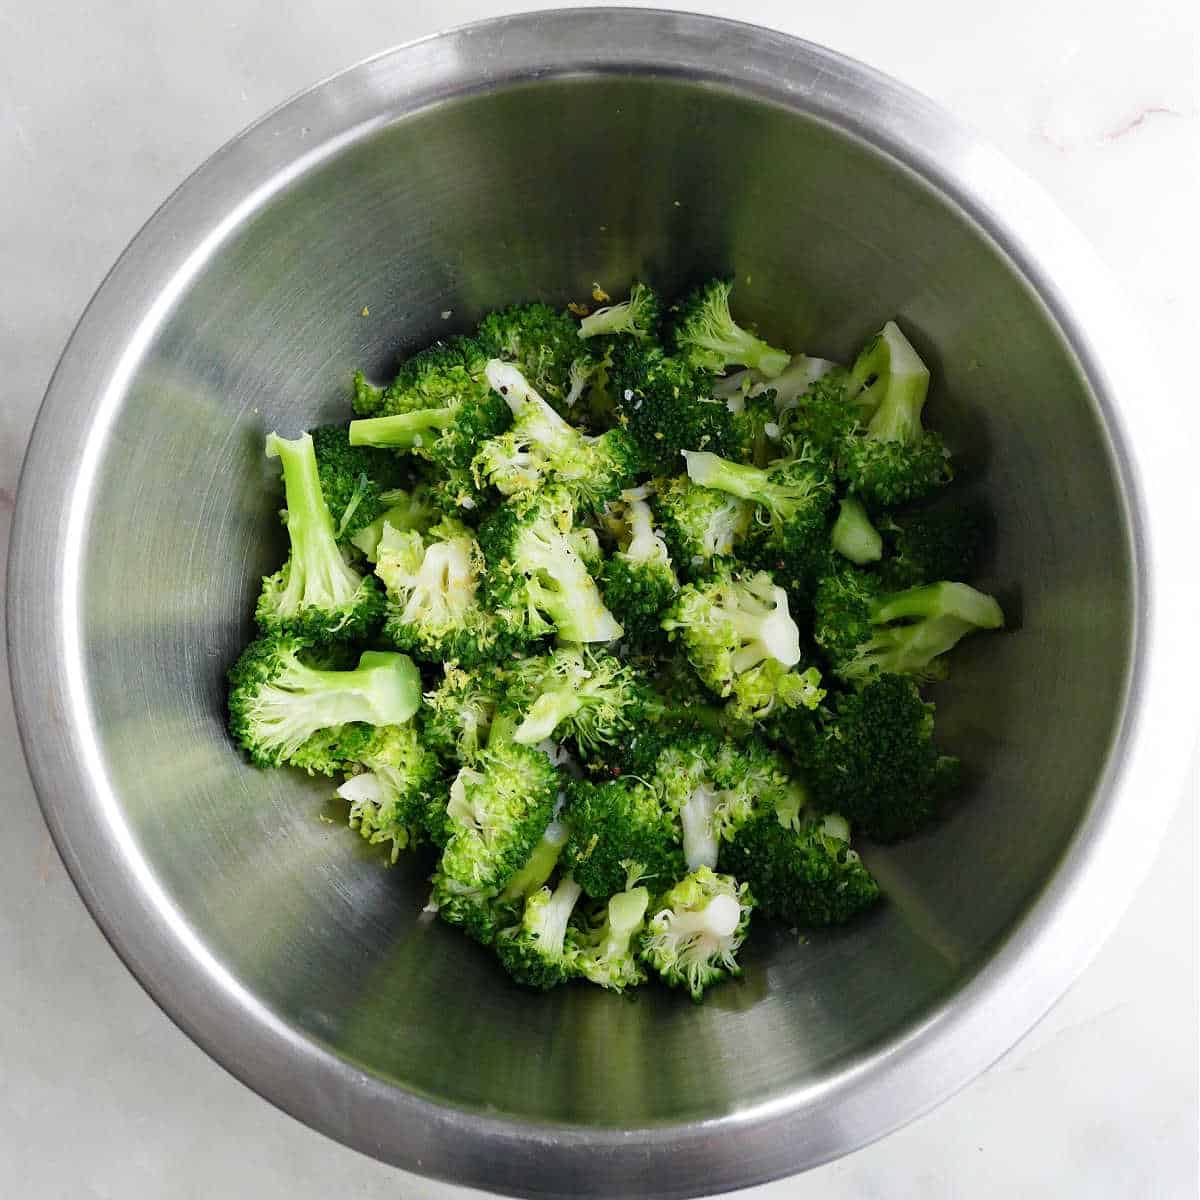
542, 446
457, 714
605, 945
925, 546
316, 594
893, 459
278, 701
535, 952
796, 380
638, 580
402, 510
853, 536
742, 642
439, 377
591, 698
356, 481
499, 808
617, 828
801, 870
705, 333
820, 418
699, 524
667, 405
696, 930
536, 581
540, 340
388, 797
791, 498
636, 317
756, 431
872, 758
865, 630
433, 609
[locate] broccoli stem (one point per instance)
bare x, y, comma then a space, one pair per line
552, 926
402, 431
712, 471
890, 377
853, 535
957, 601
719, 918
541, 864
545, 715
700, 842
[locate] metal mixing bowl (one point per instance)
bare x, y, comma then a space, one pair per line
528, 157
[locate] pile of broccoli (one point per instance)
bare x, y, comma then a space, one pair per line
625, 621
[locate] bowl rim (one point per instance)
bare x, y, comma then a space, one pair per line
1042, 954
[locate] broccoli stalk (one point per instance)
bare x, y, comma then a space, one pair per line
605, 950
706, 334
853, 536
278, 702
535, 952
317, 593
637, 316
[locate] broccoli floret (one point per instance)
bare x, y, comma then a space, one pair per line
535, 580
872, 758
618, 828
791, 499
540, 340
705, 333
667, 405
388, 797
316, 594
696, 930
278, 701
433, 609
542, 446
756, 428
402, 510
636, 317
853, 536
483, 913
454, 493
438, 377
605, 944
865, 631
457, 714
802, 870
700, 525
500, 806
591, 698
925, 546
893, 459
638, 580
742, 642
356, 481
820, 418
535, 952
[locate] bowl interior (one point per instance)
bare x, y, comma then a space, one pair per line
535, 191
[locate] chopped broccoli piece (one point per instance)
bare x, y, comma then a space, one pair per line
700, 525
388, 797
925, 546
278, 701
706, 334
853, 536
356, 481
535, 952
756, 430
618, 828
440, 376
402, 510
541, 341
636, 317
696, 930
316, 594
457, 714
536, 581
638, 580
872, 758
605, 947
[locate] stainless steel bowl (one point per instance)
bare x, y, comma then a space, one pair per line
528, 157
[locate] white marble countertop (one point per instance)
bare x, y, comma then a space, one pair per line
104, 108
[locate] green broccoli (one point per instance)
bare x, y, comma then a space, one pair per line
588, 697
278, 701
535, 581
932, 544
618, 828
388, 797
357, 482
316, 594
864, 630
667, 405
638, 580
402, 510
535, 952
756, 430
439, 377
853, 536
433, 609
893, 459
742, 642
636, 317
605, 946
696, 930
541, 341
457, 714
700, 525
542, 446
872, 758
705, 333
